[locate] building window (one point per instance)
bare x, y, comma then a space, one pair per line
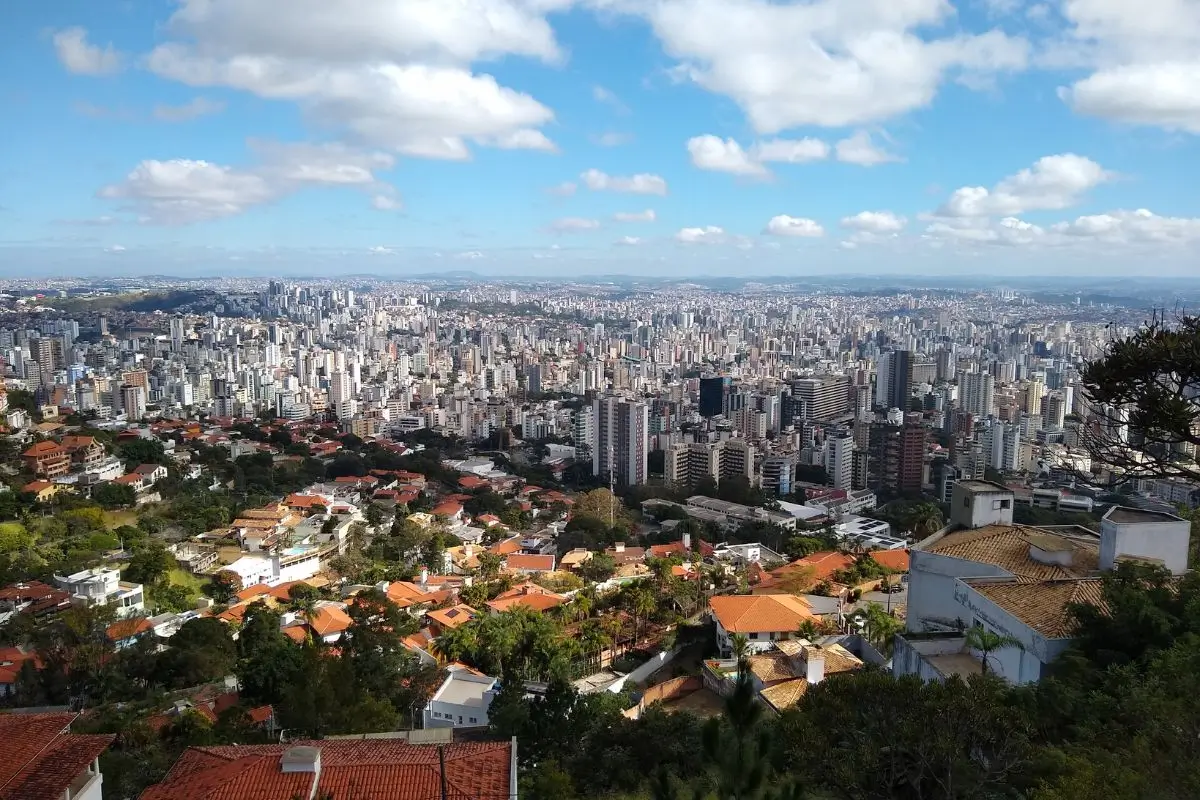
753, 636
474, 720
1006, 503
966, 502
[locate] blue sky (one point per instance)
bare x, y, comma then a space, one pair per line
640, 136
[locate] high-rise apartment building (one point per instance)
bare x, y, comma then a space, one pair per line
620, 445
839, 459
976, 393
821, 399
896, 458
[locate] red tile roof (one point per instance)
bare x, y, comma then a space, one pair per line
128, 628
891, 559
530, 563
362, 770
41, 758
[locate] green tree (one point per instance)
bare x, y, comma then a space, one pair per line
114, 495
1141, 391
149, 565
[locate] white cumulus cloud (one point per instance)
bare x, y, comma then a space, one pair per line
641, 183
183, 191
388, 73
713, 153
875, 222
709, 234
859, 149
783, 225
1052, 183
83, 58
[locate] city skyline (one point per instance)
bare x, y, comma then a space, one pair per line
603, 136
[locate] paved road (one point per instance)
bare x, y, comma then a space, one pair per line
897, 599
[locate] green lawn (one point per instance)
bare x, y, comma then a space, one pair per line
193, 583
116, 519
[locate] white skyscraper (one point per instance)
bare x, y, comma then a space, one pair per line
839, 460
976, 393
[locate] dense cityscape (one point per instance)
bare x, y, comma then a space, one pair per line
600, 400
291, 512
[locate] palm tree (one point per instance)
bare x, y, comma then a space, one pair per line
987, 642
925, 518
641, 602
881, 627
810, 629
581, 606
739, 645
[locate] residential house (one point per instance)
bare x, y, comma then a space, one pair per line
43, 759
103, 586
1017, 581
762, 619
151, 473
444, 619
43, 491
125, 632
31, 597
527, 595
86, 453
782, 675
364, 769
47, 460
450, 510
522, 564
462, 701
12, 659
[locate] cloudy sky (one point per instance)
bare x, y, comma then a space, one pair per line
636, 136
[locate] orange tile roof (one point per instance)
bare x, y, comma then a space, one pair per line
891, 559
365, 770
765, 613
447, 509
44, 448
532, 601
327, 620
452, 617
506, 547
823, 564
530, 563
41, 758
128, 628
251, 592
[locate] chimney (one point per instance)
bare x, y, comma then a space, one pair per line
814, 665
301, 759
687, 542
619, 547
424, 576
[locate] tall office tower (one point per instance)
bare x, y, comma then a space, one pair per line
178, 331
821, 399
137, 377
47, 352
883, 381
133, 401
712, 396
533, 378
900, 373
1032, 401
769, 405
839, 459
896, 458
341, 395
976, 393
1001, 445
1056, 411
621, 440
945, 364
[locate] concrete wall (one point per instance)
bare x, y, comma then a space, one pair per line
931, 582
655, 663
1165, 541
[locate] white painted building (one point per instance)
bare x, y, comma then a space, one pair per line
1017, 581
102, 586
462, 701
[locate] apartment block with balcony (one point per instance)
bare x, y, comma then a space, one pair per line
47, 460
101, 586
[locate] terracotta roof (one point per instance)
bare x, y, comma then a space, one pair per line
533, 601
329, 619
452, 617
128, 628
891, 559
664, 550
46, 448
783, 696
1007, 547
1042, 606
822, 564
506, 547
771, 668
11, 661
530, 563
363, 770
41, 758
447, 509
764, 613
